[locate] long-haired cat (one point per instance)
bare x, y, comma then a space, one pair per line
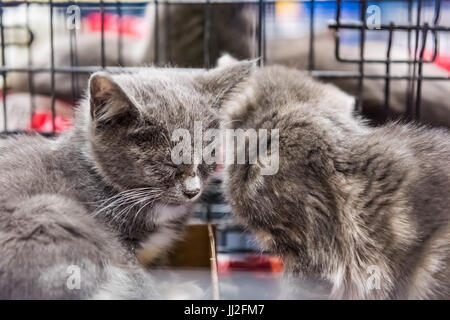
85, 204
364, 208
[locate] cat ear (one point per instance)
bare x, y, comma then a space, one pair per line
108, 101
222, 80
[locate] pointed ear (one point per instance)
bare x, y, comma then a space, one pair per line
221, 81
108, 101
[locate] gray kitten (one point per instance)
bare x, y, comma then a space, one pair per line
92, 199
366, 209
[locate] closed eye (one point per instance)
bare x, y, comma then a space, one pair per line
171, 169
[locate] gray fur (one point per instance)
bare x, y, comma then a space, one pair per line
97, 195
347, 197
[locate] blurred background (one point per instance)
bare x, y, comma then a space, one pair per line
393, 56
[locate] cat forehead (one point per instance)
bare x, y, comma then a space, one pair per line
168, 96
156, 79
162, 88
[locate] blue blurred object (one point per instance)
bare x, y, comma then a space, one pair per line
292, 19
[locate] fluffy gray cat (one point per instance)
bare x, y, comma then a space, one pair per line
88, 202
365, 209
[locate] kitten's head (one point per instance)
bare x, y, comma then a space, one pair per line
307, 120
132, 117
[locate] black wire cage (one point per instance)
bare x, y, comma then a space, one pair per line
392, 55
194, 33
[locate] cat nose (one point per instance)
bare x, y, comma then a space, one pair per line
191, 193
191, 186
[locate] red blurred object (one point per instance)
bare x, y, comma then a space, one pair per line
442, 61
42, 121
127, 25
249, 262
